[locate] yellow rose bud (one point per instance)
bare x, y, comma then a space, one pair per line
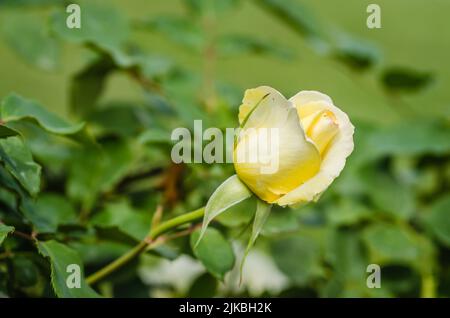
290, 151
321, 127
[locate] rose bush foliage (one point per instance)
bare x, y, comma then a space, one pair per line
93, 188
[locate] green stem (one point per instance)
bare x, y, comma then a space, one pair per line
428, 289
141, 247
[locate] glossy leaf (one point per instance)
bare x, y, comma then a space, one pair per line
51, 150
53, 211
127, 219
4, 231
25, 203
19, 162
61, 257
15, 108
108, 166
87, 86
214, 251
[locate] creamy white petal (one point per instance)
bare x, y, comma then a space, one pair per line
333, 160
252, 97
305, 97
322, 129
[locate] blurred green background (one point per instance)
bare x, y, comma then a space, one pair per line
412, 34
193, 59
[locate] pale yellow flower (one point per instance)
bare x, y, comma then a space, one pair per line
310, 148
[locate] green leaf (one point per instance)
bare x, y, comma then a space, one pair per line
181, 88
31, 41
355, 53
294, 14
7, 132
428, 136
126, 218
261, 215
402, 281
214, 251
155, 135
390, 197
53, 210
112, 233
297, 256
8, 199
87, 86
107, 166
25, 271
51, 150
389, 244
100, 251
345, 252
231, 45
26, 205
348, 212
150, 66
230, 192
61, 256
4, 231
438, 220
204, 286
19, 162
401, 79
133, 287
16, 108
239, 214
280, 221
101, 25
137, 62
179, 30
167, 251
118, 119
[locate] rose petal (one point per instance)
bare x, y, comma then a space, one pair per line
333, 161
251, 98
